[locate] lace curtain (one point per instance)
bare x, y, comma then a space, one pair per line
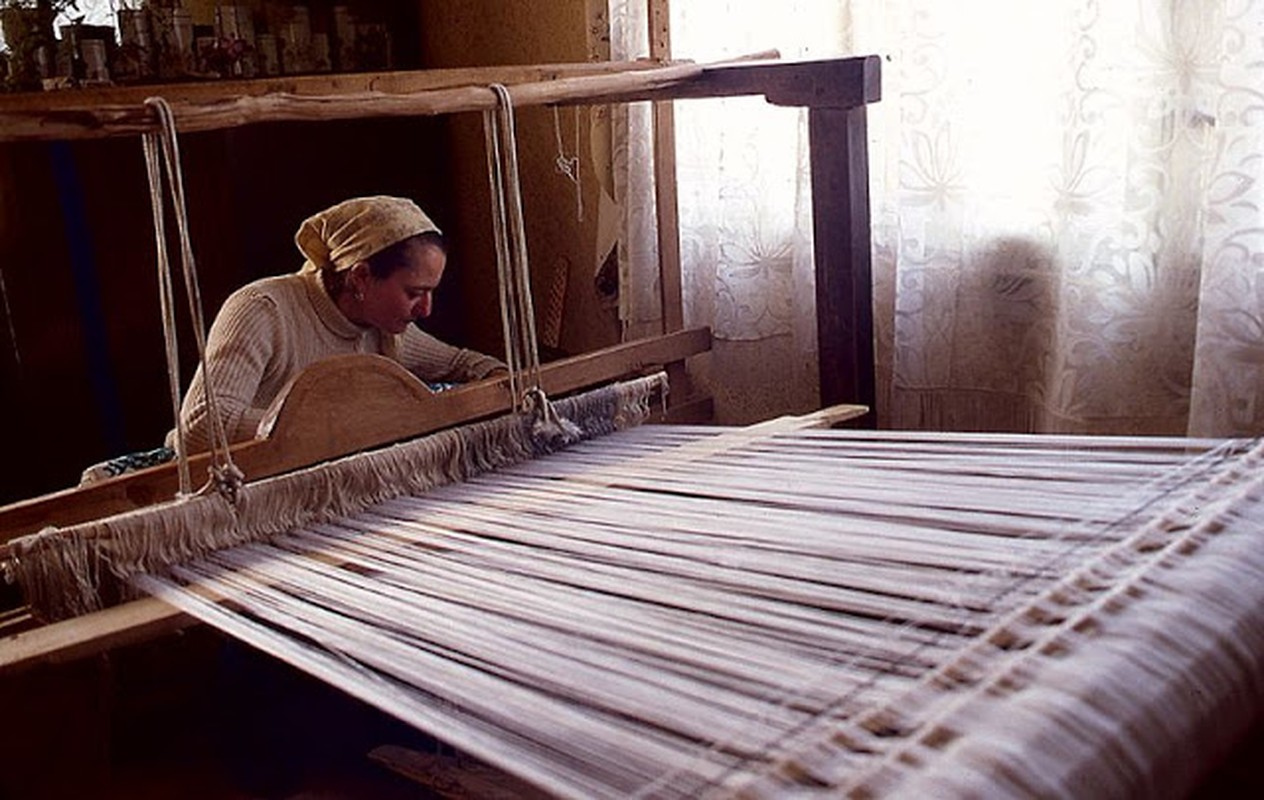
632, 203
1066, 202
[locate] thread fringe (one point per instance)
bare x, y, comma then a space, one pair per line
72, 571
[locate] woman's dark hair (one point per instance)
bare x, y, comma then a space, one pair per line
385, 261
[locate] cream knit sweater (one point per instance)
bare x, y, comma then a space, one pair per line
270, 330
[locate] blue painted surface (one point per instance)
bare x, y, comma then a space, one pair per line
83, 266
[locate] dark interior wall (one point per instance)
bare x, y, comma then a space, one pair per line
86, 379
471, 33
82, 375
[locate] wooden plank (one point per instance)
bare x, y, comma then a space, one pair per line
137, 621
306, 433
695, 410
666, 205
454, 777
833, 83
842, 83
844, 283
16, 620
401, 82
102, 120
665, 198
729, 439
831, 416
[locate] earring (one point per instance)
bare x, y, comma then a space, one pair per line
359, 296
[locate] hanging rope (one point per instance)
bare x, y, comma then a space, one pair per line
8, 316
522, 353
569, 165
162, 148
500, 236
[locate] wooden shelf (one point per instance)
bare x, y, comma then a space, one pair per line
97, 113
395, 82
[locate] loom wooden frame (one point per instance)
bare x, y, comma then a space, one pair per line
393, 405
141, 620
835, 92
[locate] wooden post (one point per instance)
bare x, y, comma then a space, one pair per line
671, 298
844, 283
665, 178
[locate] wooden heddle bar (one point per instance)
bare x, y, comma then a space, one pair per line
307, 425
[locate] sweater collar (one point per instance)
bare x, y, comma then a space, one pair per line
327, 309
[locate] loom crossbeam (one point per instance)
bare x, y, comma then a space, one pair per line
308, 423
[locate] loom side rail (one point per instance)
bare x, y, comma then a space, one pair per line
148, 618
130, 623
399, 407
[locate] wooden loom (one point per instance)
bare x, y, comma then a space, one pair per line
684, 612
897, 639
834, 91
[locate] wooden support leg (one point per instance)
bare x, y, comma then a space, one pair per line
454, 777
844, 284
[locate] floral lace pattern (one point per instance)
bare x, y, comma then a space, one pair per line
1067, 201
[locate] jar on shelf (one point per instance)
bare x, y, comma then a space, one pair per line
171, 26
294, 41
373, 46
30, 46
343, 41
268, 56
235, 29
84, 55
134, 60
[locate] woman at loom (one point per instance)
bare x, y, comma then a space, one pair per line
372, 265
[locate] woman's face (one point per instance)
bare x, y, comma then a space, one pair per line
392, 303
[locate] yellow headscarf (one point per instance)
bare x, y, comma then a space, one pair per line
355, 229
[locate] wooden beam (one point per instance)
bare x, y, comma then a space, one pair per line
665, 198
835, 83
137, 621
842, 83
844, 283
399, 82
668, 217
667, 210
303, 434
391, 405
691, 410
454, 777
94, 119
